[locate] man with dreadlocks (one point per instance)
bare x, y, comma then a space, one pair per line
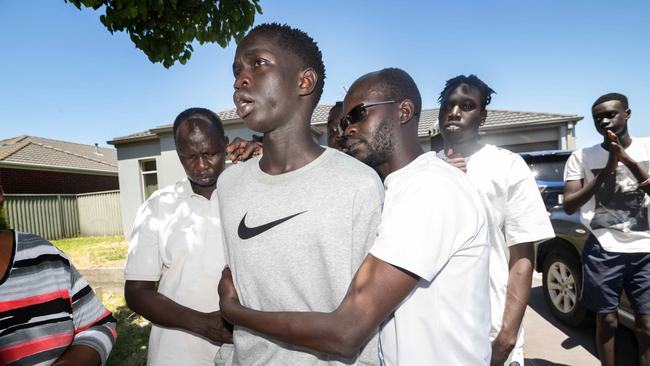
515, 210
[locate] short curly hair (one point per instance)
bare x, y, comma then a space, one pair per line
471, 80
396, 84
302, 46
202, 114
611, 96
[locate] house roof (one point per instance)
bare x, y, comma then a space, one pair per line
55, 154
227, 117
428, 121
497, 118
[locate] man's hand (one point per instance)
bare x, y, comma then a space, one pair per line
242, 150
228, 298
456, 160
213, 327
619, 151
614, 153
501, 350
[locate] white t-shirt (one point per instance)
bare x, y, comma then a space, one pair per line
177, 239
618, 213
516, 214
434, 225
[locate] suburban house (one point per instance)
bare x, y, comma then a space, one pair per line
36, 165
147, 160
59, 189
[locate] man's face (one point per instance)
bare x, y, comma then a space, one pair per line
461, 115
610, 115
201, 150
371, 139
266, 82
334, 138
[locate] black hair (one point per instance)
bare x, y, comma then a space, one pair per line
398, 85
611, 96
202, 114
336, 105
471, 80
302, 46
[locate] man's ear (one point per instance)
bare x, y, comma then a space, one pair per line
308, 81
628, 113
227, 140
407, 110
483, 116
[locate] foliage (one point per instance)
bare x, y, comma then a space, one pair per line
4, 223
165, 29
94, 251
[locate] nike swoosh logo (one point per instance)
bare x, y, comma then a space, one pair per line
246, 232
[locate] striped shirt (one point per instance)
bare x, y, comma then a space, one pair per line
46, 306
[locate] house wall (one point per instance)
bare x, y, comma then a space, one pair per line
128, 166
170, 169
548, 137
45, 182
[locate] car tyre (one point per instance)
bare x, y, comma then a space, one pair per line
562, 283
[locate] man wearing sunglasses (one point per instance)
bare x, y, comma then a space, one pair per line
515, 210
292, 241
426, 276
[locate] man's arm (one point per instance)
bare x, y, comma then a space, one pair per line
78, 355
518, 291
376, 290
143, 298
576, 194
635, 168
94, 326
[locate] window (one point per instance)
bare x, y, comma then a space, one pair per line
149, 177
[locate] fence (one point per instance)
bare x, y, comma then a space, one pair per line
56, 216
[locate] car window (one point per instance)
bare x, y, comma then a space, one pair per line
552, 171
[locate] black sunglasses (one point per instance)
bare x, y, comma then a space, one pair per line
357, 114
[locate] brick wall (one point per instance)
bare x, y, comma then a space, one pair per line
34, 181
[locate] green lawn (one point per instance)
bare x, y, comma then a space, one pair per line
95, 251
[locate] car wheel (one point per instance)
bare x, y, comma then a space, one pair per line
562, 283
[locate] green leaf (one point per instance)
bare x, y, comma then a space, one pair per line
165, 29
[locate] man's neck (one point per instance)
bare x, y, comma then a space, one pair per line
289, 148
401, 157
465, 148
205, 191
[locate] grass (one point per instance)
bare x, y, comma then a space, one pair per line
132, 333
95, 251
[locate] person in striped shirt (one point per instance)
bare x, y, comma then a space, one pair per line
49, 315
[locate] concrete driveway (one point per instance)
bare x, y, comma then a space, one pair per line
551, 343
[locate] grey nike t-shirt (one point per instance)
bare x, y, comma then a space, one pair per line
294, 241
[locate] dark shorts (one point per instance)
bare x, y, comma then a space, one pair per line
606, 274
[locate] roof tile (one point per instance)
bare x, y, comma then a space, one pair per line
55, 153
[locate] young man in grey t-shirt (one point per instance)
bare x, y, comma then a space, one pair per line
292, 242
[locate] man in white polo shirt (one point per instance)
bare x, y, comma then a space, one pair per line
176, 242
